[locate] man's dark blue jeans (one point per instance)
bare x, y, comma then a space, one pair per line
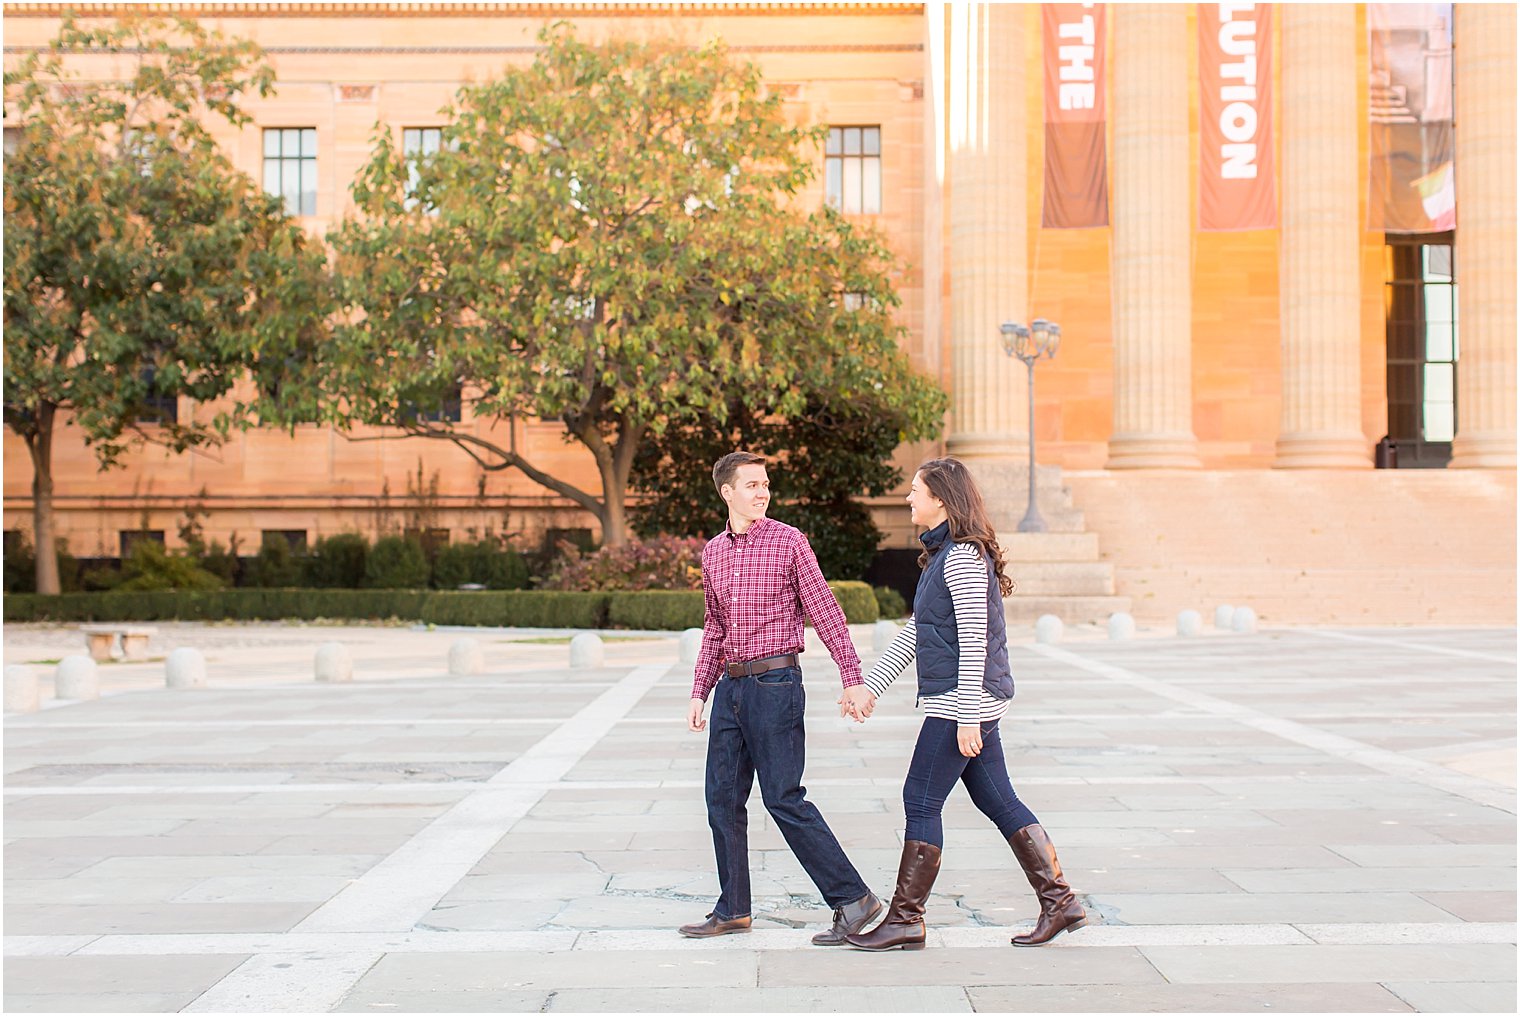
756, 729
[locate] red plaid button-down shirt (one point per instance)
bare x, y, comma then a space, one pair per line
758, 586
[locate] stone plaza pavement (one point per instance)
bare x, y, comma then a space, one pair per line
1295, 820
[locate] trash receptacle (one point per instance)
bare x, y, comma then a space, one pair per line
1387, 454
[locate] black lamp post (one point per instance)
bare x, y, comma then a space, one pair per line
1040, 339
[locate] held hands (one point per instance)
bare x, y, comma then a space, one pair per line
857, 702
970, 740
694, 720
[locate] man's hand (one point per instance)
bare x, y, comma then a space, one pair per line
970, 740
858, 702
694, 720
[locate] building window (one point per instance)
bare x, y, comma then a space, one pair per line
1421, 305
431, 540
852, 169
132, 537
447, 409
157, 407
290, 167
12, 141
418, 144
15, 539
580, 539
294, 538
852, 301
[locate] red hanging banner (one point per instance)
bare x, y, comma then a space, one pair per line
1076, 152
1236, 179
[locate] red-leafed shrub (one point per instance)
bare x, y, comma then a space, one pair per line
663, 562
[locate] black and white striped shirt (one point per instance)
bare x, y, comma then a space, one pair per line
968, 703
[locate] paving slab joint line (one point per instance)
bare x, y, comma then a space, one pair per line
762, 939
1473, 788
404, 887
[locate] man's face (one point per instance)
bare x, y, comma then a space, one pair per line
750, 493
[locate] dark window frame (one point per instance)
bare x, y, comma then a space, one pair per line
296, 539
1411, 367
410, 151
129, 538
431, 539
449, 409
847, 146
304, 160
158, 408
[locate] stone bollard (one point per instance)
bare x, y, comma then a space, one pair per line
586, 651
1048, 629
185, 668
1189, 622
334, 663
1223, 616
691, 645
1243, 621
882, 634
22, 695
466, 657
77, 677
1121, 627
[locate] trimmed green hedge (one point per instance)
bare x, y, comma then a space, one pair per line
661, 610
523, 608
858, 602
518, 608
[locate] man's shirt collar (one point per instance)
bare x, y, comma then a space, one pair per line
757, 526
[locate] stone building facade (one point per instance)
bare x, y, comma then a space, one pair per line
1223, 391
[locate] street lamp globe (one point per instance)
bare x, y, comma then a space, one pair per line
1015, 339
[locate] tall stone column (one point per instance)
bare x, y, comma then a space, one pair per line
986, 117
1319, 270
1485, 263
1151, 259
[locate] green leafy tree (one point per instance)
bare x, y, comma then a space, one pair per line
608, 238
140, 265
822, 461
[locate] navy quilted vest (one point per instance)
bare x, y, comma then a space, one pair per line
938, 646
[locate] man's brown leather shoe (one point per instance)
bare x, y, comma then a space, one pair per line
712, 927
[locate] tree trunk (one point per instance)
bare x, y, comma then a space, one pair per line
41, 448
616, 466
614, 513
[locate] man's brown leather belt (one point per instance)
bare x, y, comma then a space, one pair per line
749, 668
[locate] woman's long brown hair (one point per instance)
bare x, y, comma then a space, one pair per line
950, 481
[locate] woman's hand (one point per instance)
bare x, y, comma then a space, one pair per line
857, 702
970, 739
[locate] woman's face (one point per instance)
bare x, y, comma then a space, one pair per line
928, 510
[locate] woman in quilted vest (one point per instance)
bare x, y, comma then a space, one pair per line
957, 636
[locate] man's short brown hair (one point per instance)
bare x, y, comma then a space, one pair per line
726, 468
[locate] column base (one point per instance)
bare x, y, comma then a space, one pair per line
1483, 451
1153, 451
1013, 446
1323, 451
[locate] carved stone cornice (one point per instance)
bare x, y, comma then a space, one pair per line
451, 10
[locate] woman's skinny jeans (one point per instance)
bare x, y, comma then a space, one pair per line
937, 765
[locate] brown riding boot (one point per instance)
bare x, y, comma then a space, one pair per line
1059, 909
903, 927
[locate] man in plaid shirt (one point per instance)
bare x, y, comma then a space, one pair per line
760, 578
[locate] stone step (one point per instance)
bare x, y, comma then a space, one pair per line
1310, 546
1005, 488
1063, 578
1022, 609
1006, 520
1021, 547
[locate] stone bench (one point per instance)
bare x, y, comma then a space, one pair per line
101, 638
